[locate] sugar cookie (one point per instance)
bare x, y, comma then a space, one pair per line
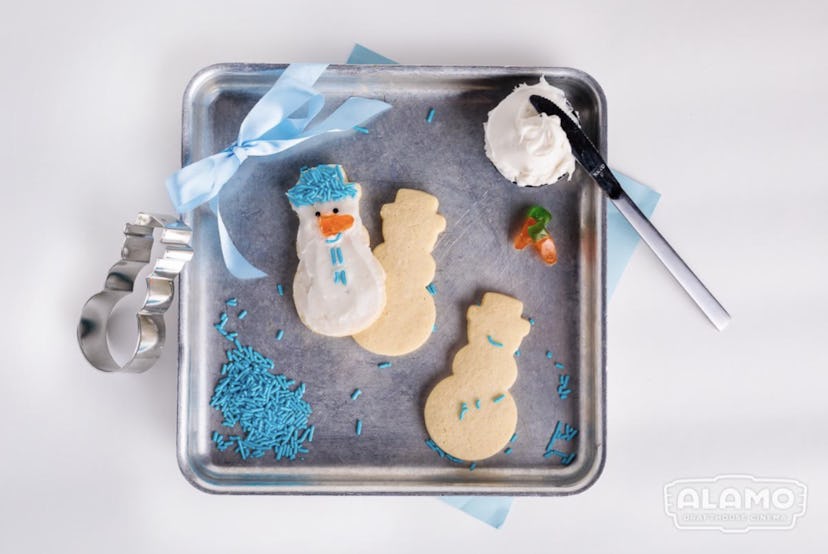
339, 288
410, 226
471, 414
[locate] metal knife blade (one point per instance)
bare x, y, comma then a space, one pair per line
582, 148
589, 157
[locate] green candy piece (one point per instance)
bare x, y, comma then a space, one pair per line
542, 218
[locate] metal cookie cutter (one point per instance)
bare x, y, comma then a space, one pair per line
135, 255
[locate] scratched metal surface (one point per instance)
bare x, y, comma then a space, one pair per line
473, 255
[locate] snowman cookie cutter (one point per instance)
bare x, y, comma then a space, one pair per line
136, 253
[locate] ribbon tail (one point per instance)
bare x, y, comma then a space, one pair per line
352, 112
233, 259
305, 73
292, 90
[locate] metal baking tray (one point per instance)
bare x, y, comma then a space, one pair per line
474, 255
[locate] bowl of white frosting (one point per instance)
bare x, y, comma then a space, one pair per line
528, 148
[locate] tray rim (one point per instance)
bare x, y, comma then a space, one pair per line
205, 77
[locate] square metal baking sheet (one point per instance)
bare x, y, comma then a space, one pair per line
474, 255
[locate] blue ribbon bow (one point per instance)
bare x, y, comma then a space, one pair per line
272, 126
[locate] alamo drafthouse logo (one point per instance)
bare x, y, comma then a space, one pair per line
735, 503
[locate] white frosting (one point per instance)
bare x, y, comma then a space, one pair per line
324, 304
528, 148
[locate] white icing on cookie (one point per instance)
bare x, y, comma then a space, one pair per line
339, 288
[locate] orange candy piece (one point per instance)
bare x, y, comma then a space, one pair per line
546, 248
522, 240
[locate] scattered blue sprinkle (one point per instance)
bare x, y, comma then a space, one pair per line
566, 459
498, 398
358, 427
517, 353
356, 394
220, 325
242, 314
472, 466
431, 288
430, 116
531, 321
463, 410
306, 436
440, 452
494, 342
221, 445
384, 365
280, 334
477, 403
559, 365
563, 384
549, 354
434, 328
280, 289
565, 432
232, 301
362, 130
514, 438
508, 450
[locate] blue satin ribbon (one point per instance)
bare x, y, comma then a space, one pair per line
273, 125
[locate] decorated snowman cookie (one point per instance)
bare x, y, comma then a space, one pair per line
410, 226
339, 288
471, 414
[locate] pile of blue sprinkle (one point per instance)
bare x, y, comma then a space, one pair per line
271, 415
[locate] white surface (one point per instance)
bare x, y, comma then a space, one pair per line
719, 105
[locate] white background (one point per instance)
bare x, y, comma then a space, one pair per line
721, 106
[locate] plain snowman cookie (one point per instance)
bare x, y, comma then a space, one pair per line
410, 227
471, 414
339, 288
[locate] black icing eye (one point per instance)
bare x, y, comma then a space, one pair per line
336, 210
318, 214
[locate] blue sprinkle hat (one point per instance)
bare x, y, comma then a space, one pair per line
323, 183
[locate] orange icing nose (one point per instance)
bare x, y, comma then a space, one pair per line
331, 224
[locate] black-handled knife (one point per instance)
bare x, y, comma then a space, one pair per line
589, 157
